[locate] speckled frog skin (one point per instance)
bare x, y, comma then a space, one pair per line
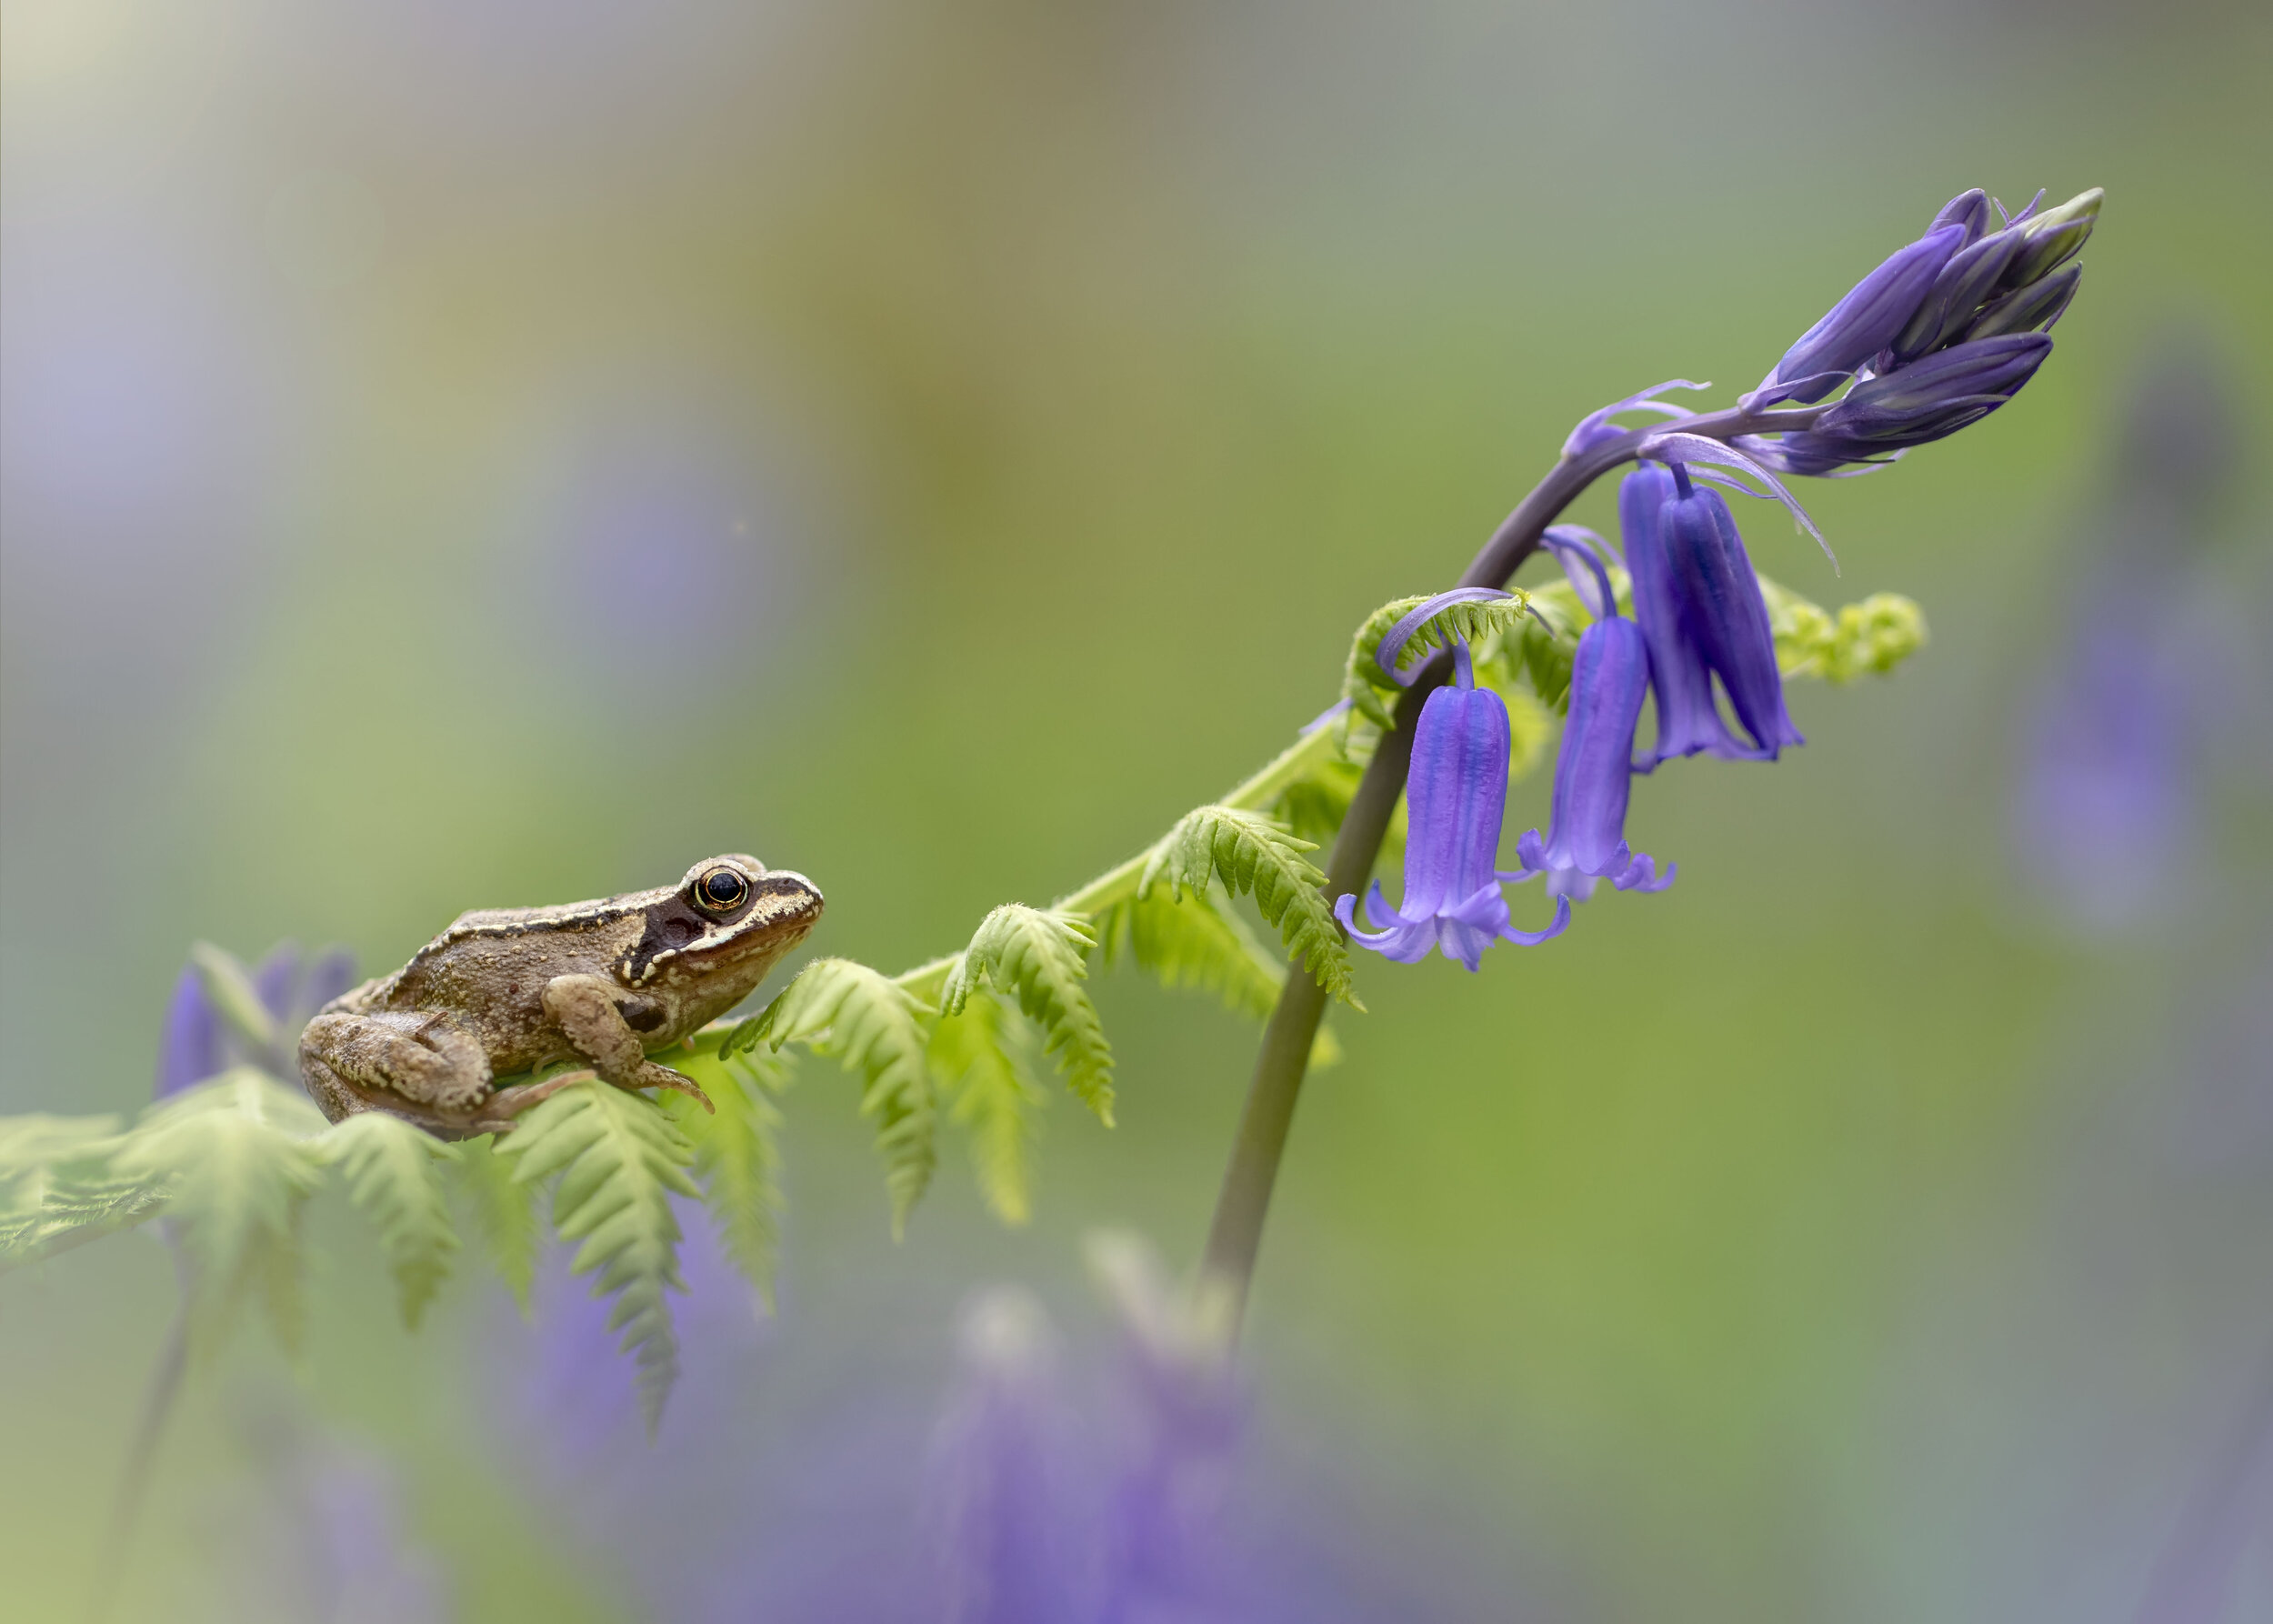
508, 990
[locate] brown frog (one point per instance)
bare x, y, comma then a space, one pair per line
513, 989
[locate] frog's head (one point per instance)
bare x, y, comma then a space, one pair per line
726, 924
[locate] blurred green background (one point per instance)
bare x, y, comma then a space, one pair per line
472, 454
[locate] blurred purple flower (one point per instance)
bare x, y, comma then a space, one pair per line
1456, 790
1035, 1524
198, 1040
330, 1543
2151, 680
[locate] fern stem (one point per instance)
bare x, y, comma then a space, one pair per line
1118, 883
1236, 1235
133, 1480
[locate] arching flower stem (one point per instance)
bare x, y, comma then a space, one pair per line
1242, 1200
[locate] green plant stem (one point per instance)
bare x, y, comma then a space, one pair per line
1118, 883
1236, 1235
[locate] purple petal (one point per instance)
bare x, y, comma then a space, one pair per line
1641, 874
189, 1051
1393, 642
277, 979
1532, 938
1595, 427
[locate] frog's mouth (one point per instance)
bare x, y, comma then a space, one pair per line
781, 909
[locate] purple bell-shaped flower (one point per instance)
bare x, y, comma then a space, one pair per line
1593, 769
1457, 793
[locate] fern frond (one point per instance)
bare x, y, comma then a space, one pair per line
620, 1158
393, 1179
1252, 856
979, 1056
1042, 958
238, 1157
875, 1028
1368, 689
57, 1188
1874, 636
1198, 944
505, 1211
737, 1157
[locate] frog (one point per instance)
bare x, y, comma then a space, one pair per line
603, 985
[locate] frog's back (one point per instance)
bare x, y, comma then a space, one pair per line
500, 959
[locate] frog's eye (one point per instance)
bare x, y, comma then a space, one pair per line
722, 890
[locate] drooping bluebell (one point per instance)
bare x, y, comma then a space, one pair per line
1457, 794
1594, 766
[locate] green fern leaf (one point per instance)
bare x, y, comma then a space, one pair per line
620, 1158
1042, 958
238, 1157
876, 1028
1196, 944
737, 1157
979, 1055
1252, 856
1370, 689
1872, 637
505, 1211
393, 1179
57, 1186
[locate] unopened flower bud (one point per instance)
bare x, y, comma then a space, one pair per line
1870, 317
2054, 235
1967, 283
2028, 309
1968, 210
1938, 395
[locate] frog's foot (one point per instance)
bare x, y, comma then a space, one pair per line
651, 1075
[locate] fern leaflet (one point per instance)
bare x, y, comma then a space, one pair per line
1368, 689
505, 1210
620, 1158
738, 1153
1252, 856
393, 1175
238, 1157
1042, 958
875, 1028
1197, 944
57, 1188
979, 1055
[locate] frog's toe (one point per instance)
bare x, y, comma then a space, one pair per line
652, 1075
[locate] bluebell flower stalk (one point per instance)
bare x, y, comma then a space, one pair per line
1764, 433
1458, 797
1595, 763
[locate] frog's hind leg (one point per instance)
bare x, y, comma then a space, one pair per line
423, 1067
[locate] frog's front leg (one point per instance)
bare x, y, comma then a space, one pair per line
423, 1066
589, 1012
